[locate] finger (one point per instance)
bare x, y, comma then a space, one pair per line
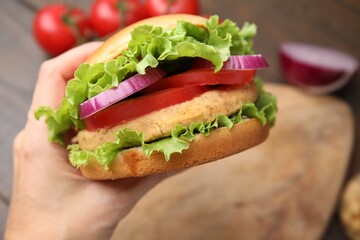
17, 150
53, 74
69, 61
136, 187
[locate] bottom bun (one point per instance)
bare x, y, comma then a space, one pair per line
221, 143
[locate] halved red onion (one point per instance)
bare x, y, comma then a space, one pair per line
315, 68
125, 89
236, 62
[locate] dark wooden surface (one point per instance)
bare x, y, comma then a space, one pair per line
331, 23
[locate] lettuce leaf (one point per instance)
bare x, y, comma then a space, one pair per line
264, 109
149, 47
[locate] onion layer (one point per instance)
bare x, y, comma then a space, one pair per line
236, 62
125, 89
314, 68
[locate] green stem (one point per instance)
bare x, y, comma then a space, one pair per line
123, 11
71, 22
168, 5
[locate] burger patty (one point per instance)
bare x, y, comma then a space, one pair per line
159, 124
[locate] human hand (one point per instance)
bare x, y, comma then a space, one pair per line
50, 199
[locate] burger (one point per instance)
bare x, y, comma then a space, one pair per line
165, 93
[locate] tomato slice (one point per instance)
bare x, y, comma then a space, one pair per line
166, 92
202, 77
133, 108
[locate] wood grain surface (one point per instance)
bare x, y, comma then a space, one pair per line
331, 23
285, 188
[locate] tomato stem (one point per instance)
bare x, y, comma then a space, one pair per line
123, 11
168, 5
71, 22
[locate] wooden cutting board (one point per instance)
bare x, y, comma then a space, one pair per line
285, 188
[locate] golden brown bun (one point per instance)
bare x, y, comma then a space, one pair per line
220, 143
113, 46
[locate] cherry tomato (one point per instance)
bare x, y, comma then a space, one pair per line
137, 107
57, 28
160, 7
107, 16
201, 77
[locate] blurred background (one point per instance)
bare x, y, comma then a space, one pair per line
329, 23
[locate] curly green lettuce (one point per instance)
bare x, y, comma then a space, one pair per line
149, 47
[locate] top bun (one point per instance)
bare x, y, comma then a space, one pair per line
113, 46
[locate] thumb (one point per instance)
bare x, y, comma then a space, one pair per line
54, 74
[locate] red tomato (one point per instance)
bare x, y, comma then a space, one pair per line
58, 28
203, 76
107, 16
160, 7
137, 107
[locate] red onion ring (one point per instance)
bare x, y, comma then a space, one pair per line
125, 89
315, 68
236, 62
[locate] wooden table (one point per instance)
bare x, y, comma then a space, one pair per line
332, 23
